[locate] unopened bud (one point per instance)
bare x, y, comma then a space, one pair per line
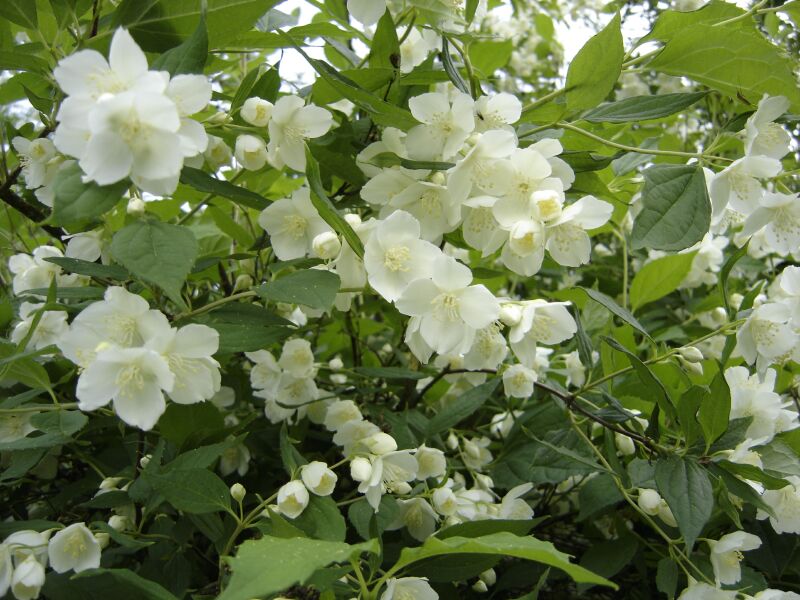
480, 587
510, 314
335, 364
118, 522
219, 118
438, 178
238, 492
452, 441
380, 443
691, 354
649, 501
624, 444
489, 577
145, 460
135, 207
326, 245
102, 539
352, 219
360, 469
400, 487
257, 111
243, 283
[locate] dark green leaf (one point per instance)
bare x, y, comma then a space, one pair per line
676, 211
685, 485
466, 405
101, 584
715, 410
451, 70
616, 309
76, 201
204, 182
196, 491
667, 577
21, 12
84, 267
314, 288
385, 51
642, 108
189, 57
652, 383
659, 278
390, 373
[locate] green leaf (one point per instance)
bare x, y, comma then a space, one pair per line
385, 51
715, 411
616, 309
390, 159
688, 404
288, 561
595, 69
325, 208
17, 60
365, 520
203, 182
322, 520
642, 108
725, 273
741, 489
467, 404
189, 57
610, 557
667, 577
76, 201
390, 373
314, 288
84, 267
195, 491
158, 253
62, 422
676, 210
752, 66
652, 383
20, 12
500, 544
753, 473
685, 485
598, 493
473, 529
659, 278
182, 421
450, 68
101, 584
490, 55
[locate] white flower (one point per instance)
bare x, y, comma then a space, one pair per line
26, 544
738, 185
74, 548
188, 352
753, 396
289, 398
340, 412
292, 499
257, 111
366, 12
765, 337
512, 506
475, 453
488, 349
15, 427
218, 153
567, 240
432, 204
518, 381
395, 255
235, 458
388, 470
497, 111
779, 216
445, 125
726, 554
576, 372
250, 152
293, 123
34, 157
297, 358
292, 225
482, 166
87, 245
431, 462
133, 378
785, 504
776, 595
416, 47
33, 272
417, 516
542, 322
265, 374
51, 327
762, 135
350, 435
326, 245
703, 591
450, 309
28, 579
480, 228
318, 478
445, 501
409, 588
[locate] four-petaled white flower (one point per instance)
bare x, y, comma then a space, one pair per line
445, 125
292, 224
726, 554
74, 548
291, 124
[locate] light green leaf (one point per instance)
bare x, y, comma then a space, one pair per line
500, 544
685, 485
642, 108
76, 201
18, 60
385, 51
312, 287
652, 383
467, 404
659, 278
715, 411
269, 565
490, 55
158, 253
595, 69
676, 210
731, 59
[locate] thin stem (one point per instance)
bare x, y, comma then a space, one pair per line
43, 408
543, 100
215, 304
743, 16
653, 151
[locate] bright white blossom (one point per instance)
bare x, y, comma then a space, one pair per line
292, 224
74, 548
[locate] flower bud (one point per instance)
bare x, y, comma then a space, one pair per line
624, 444
484, 481
326, 245
691, 354
665, 514
438, 178
238, 492
257, 111
250, 152
510, 314
243, 283
318, 478
145, 460
135, 206
649, 501
119, 522
292, 499
335, 364
480, 587
452, 441
380, 443
219, 118
431, 462
399, 487
489, 577
103, 539
360, 469
353, 220
217, 153
110, 483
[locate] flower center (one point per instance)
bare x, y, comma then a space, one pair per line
75, 546
295, 226
130, 380
445, 307
396, 257
431, 203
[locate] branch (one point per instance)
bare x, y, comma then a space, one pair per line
30, 211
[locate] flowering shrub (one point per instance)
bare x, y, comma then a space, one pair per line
459, 318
